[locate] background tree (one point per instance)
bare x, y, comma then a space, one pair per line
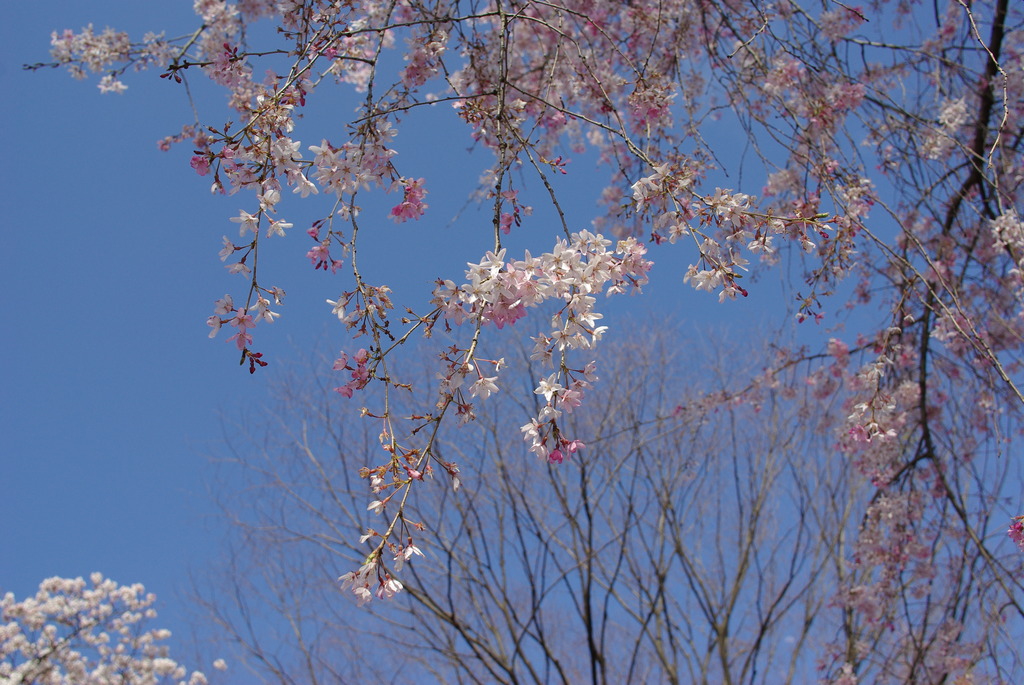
885, 143
714, 541
77, 632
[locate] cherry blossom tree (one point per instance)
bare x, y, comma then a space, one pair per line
73, 631
873, 158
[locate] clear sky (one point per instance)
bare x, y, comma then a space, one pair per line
110, 388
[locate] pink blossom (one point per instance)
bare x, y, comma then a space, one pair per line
1016, 532
412, 206
320, 257
572, 446
201, 163
243, 322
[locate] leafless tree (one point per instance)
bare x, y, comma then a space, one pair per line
704, 534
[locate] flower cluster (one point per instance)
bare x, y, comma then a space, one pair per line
74, 631
939, 141
726, 223
371, 580
244, 320
542, 432
650, 104
355, 165
575, 270
357, 365
320, 254
424, 58
501, 293
95, 52
412, 205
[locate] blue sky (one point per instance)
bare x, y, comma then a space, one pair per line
111, 390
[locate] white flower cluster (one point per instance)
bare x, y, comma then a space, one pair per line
940, 141
572, 272
77, 633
